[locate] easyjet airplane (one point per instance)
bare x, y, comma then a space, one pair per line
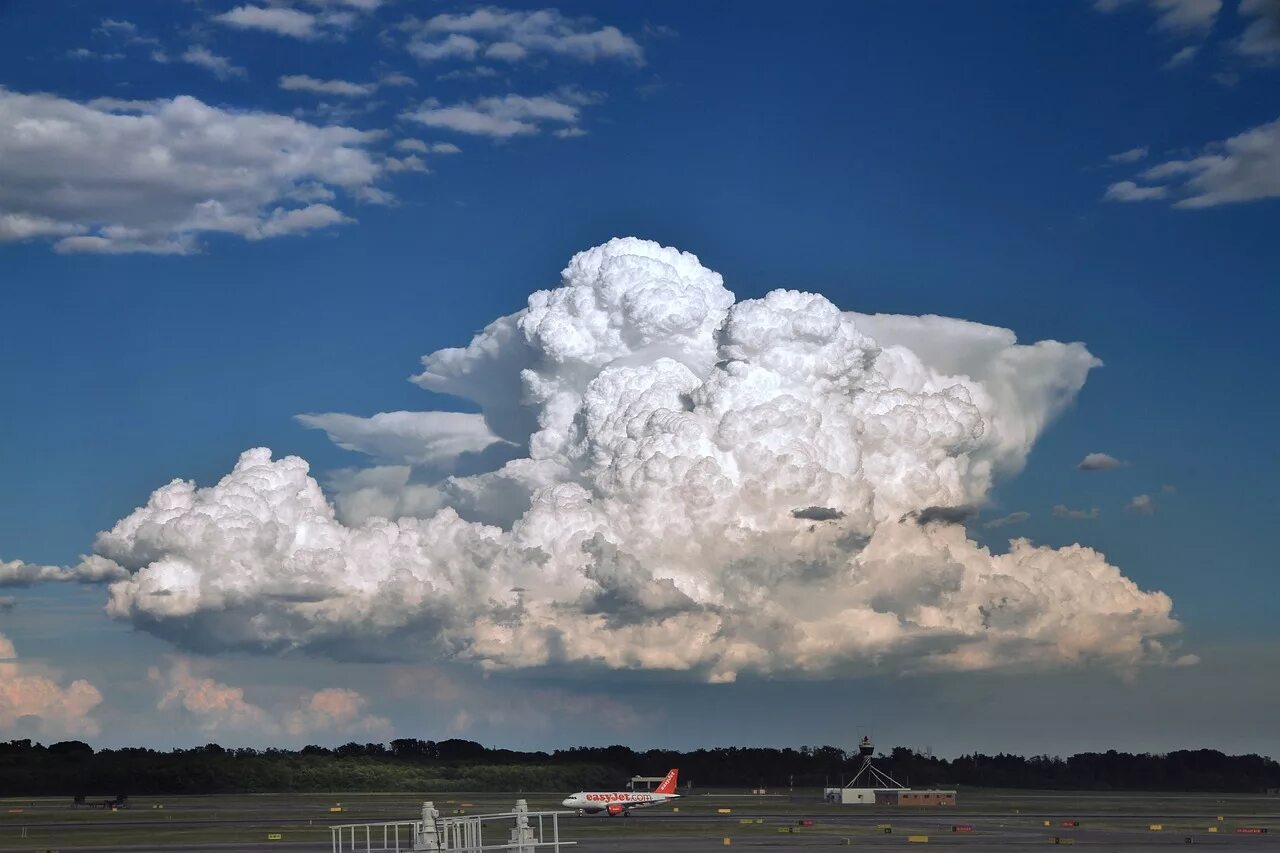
615, 803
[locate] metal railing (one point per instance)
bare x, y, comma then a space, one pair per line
463, 834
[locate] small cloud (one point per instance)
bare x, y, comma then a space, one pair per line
1142, 505
1187, 660
1180, 59
1133, 155
280, 20
1226, 79
1099, 462
220, 66
1129, 191
7, 603
1011, 518
397, 79
1061, 511
817, 513
944, 514
111, 26
1169, 489
342, 88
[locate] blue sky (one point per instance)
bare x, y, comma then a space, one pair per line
967, 162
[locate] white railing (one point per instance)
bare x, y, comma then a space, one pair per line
464, 834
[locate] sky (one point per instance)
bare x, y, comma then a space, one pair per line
652, 500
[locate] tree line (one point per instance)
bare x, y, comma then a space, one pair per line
68, 768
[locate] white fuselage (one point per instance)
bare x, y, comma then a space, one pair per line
614, 802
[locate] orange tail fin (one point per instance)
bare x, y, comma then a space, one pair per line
668, 785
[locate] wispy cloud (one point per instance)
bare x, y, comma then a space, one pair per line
1245, 167
504, 116
1133, 155
344, 88
1061, 511
1179, 17
1004, 520
1261, 37
220, 66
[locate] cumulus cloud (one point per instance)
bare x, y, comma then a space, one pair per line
280, 20
91, 569
26, 695
1179, 17
664, 435
505, 116
1142, 504
508, 35
218, 707
1011, 518
1099, 462
1061, 511
114, 176
1245, 167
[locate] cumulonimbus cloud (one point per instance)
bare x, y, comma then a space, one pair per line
666, 446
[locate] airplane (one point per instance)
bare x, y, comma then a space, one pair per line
614, 803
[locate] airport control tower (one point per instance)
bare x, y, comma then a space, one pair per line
871, 785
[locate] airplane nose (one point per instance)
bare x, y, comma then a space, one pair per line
566, 802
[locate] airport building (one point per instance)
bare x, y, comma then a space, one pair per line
872, 786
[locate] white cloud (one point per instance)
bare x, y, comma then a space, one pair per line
1180, 17
218, 707
221, 67
1133, 155
454, 47
1142, 504
511, 36
1099, 462
28, 695
303, 83
1261, 37
1245, 167
502, 117
83, 53
665, 435
111, 26
1061, 511
90, 570
280, 20
1182, 57
1129, 191
113, 176
407, 438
